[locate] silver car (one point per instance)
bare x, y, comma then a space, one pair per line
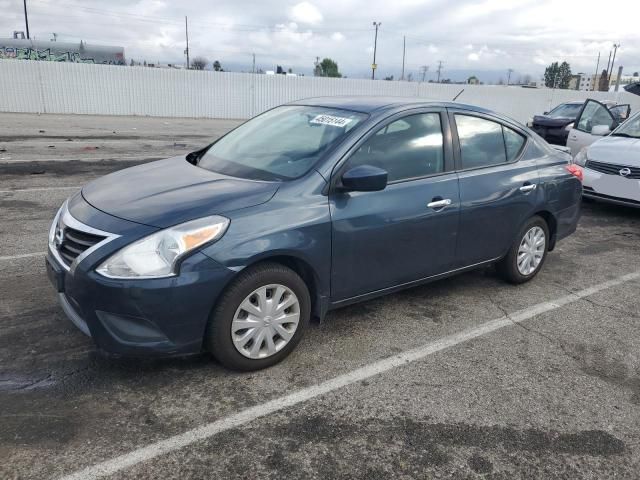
612, 165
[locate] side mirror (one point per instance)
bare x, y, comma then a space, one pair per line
546, 113
600, 130
364, 178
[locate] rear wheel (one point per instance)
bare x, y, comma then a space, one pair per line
260, 318
528, 252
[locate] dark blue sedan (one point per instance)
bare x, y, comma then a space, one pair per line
303, 209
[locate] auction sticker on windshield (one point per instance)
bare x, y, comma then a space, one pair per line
331, 120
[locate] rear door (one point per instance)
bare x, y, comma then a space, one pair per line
593, 114
498, 185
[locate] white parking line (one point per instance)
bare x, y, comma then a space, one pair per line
243, 417
22, 255
41, 189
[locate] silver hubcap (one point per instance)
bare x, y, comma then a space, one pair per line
531, 250
265, 321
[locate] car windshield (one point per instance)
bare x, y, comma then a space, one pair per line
566, 110
630, 128
281, 144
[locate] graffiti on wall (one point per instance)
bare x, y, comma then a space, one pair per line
46, 54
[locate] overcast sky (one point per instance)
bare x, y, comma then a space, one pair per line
474, 35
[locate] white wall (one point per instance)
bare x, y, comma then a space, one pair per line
50, 87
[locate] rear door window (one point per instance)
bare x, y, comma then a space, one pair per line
485, 143
513, 143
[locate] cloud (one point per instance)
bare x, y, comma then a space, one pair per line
305, 12
495, 35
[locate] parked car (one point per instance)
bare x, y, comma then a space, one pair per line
554, 126
308, 207
594, 121
612, 165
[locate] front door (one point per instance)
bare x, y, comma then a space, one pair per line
593, 114
408, 230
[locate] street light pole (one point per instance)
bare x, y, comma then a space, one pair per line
186, 34
375, 46
26, 18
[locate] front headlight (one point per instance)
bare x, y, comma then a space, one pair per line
581, 157
158, 254
53, 230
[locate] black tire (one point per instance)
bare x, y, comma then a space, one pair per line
218, 334
508, 266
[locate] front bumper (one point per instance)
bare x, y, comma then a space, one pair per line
146, 317
614, 189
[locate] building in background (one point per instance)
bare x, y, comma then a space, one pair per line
81, 52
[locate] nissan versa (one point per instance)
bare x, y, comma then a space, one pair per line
305, 208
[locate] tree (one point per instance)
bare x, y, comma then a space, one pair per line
603, 82
557, 75
410, 77
199, 63
329, 68
473, 80
217, 66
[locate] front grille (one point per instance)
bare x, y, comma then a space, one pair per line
75, 242
611, 169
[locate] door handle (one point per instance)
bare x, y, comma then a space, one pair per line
528, 188
438, 204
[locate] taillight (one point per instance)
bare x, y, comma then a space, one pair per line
575, 170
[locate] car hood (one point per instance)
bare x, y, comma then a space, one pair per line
172, 191
546, 121
616, 150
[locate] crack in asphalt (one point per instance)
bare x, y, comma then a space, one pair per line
529, 329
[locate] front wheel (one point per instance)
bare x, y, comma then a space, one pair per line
259, 319
528, 252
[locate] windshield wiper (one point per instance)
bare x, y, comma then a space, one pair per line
622, 134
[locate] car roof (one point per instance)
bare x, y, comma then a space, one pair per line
369, 104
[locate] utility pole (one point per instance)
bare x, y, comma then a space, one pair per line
608, 64
439, 70
253, 66
404, 50
186, 32
509, 72
615, 50
424, 69
595, 78
375, 46
619, 77
26, 18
